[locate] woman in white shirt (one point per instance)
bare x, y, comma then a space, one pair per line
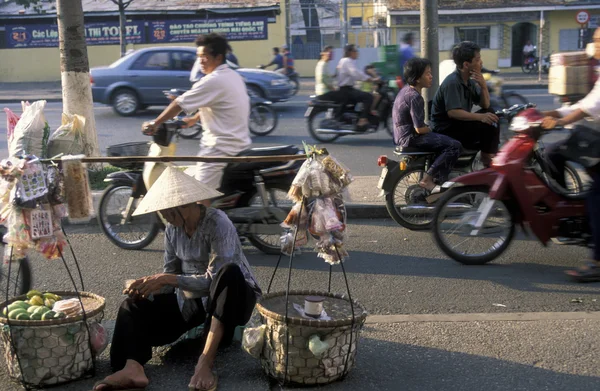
323, 77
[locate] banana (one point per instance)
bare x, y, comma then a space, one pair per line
32, 293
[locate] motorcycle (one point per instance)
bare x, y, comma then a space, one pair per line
530, 61
409, 204
500, 99
474, 222
295, 79
325, 127
262, 121
255, 194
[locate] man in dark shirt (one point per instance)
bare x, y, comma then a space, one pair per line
460, 91
277, 60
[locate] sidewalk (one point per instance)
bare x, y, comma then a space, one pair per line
467, 352
52, 92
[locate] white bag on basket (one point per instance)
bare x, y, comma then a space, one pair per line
67, 139
28, 137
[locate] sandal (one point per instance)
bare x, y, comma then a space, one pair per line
590, 272
112, 386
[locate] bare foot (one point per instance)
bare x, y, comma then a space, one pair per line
427, 182
203, 378
363, 122
128, 377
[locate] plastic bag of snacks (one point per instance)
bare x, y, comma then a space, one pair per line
77, 187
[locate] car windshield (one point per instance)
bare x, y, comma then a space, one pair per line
121, 60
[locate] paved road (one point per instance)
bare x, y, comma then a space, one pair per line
358, 152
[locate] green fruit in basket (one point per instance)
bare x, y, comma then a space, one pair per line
35, 317
32, 308
49, 303
36, 300
13, 314
20, 303
60, 315
32, 293
50, 295
49, 315
41, 310
22, 316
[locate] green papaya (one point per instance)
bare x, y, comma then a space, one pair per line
32, 308
20, 303
22, 316
35, 316
32, 293
41, 310
48, 315
5, 311
13, 314
60, 315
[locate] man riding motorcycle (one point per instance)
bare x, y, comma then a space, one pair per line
277, 60
452, 104
570, 149
223, 107
347, 75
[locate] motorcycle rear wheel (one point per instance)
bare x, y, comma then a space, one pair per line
191, 132
270, 244
138, 232
451, 223
263, 120
413, 216
315, 117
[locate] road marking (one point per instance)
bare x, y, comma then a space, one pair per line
484, 317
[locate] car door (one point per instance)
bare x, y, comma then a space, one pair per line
151, 74
182, 63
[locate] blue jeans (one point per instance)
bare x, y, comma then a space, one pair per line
447, 151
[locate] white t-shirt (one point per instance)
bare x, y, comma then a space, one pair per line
224, 106
589, 105
528, 49
348, 73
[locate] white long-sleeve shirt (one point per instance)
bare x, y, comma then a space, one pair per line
589, 105
348, 73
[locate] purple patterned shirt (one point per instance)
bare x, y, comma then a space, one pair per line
408, 113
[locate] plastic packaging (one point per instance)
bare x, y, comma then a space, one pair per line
98, 338
11, 123
316, 346
28, 137
68, 138
253, 340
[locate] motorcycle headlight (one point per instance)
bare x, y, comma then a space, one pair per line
519, 124
279, 82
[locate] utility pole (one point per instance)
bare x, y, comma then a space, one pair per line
345, 22
541, 53
75, 70
429, 46
288, 23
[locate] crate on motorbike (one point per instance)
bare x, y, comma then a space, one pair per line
570, 73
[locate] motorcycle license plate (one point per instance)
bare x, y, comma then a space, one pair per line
384, 172
308, 111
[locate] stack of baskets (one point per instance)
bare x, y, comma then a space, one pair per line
50, 352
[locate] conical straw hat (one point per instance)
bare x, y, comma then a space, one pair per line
174, 188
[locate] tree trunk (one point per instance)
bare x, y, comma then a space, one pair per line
122, 22
75, 70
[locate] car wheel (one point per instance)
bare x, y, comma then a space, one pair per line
255, 91
125, 102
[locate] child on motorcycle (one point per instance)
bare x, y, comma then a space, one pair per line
587, 107
370, 87
410, 129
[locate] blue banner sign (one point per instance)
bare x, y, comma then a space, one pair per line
234, 29
45, 36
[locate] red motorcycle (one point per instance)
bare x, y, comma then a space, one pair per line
474, 221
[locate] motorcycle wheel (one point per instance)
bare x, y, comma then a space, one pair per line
512, 98
296, 86
453, 221
263, 120
191, 132
315, 117
135, 234
19, 281
270, 244
406, 203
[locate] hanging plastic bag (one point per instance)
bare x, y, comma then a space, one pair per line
68, 138
77, 187
253, 340
11, 123
28, 137
98, 338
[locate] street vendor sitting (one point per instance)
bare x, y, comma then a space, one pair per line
212, 282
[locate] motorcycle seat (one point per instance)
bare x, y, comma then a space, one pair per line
244, 169
270, 151
417, 151
469, 152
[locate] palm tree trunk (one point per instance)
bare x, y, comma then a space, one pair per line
75, 70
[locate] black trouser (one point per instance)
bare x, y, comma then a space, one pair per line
475, 135
142, 324
350, 95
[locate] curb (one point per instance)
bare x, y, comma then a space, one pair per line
15, 100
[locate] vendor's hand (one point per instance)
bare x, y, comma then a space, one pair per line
189, 121
488, 118
149, 128
550, 123
478, 77
146, 286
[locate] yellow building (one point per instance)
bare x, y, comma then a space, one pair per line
501, 28
29, 40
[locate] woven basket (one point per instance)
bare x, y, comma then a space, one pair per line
139, 148
341, 333
50, 352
